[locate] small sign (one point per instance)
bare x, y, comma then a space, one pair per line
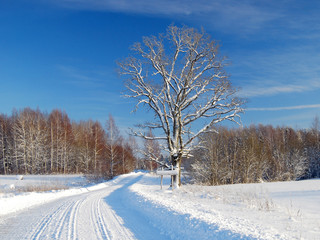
167, 172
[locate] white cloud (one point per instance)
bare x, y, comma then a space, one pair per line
257, 91
228, 16
219, 14
286, 69
285, 108
83, 78
164, 7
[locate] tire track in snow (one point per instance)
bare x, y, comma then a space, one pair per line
67, 222
98, 222
40, 228
101, 223
85, 216
59, 224
62, 220
72, 233
107, 224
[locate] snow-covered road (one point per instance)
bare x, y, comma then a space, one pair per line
83, 216
132, 206
110, 212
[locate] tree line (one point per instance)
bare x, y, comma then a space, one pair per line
256, 153
34, 142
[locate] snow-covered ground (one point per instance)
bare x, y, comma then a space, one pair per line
25, 183
16, 194
132, 206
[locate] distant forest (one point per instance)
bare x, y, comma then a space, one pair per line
33, 142
257, 153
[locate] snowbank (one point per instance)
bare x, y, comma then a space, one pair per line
12, 200
283, 210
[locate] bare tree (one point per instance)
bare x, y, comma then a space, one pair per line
98, 147
113, 144
60, 141
151, 152
130, 159
21, 138
133, 145
5, 145
180, 77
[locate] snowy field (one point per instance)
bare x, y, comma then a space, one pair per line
26, 183
132, 206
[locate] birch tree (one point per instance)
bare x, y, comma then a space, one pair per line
84, 140
151, 152
113, 145
5, 151
314, 151
180, 76
99, 147
21, 138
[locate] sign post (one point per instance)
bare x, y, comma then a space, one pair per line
167, 171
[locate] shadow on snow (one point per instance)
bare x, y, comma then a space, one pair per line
147, 220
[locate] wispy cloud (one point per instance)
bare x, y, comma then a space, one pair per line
83, 78
258, 91
164, 7
229, 16
285, 108
220, 14
283, 69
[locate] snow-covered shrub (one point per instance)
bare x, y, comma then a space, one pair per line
19, 177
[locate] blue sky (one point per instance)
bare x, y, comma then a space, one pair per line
62, 53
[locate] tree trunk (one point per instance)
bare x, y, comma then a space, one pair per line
176, 179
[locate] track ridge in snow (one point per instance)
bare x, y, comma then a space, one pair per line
45, 221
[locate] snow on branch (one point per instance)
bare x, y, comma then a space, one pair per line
180, 76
